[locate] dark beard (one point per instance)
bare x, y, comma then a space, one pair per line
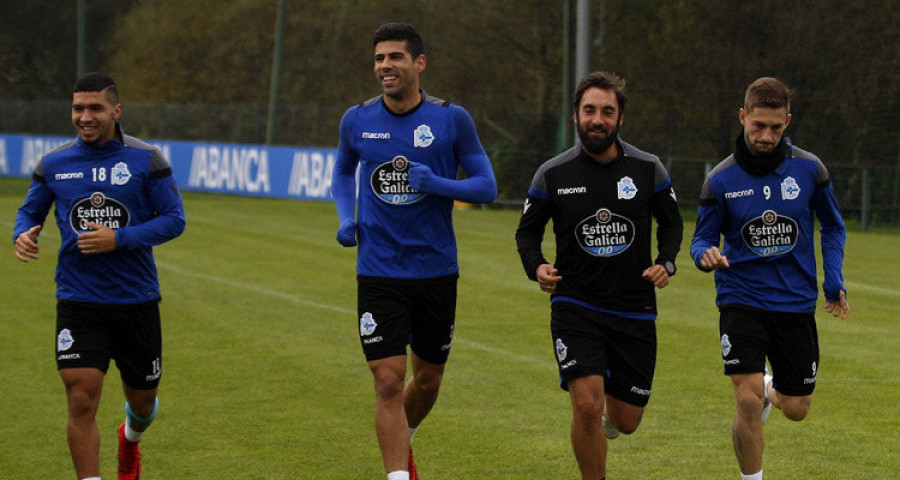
596, 147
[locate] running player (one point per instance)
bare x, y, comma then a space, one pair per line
602, 195
762, 200
115, 199
408, 147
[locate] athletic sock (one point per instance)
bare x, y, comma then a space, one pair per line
91, 478
398, 475
133, 435
755, 476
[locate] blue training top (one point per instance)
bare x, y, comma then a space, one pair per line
405, 233
768, 228
125, 185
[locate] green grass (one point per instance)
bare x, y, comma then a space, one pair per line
264, 378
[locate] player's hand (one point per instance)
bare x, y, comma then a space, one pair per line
100, 239
26, 244
547, 277
420, 176
838, 307
713, 259
657, 275
346, 234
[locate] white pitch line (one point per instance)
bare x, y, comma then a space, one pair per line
302, 301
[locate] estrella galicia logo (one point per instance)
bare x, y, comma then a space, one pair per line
789, 189
770, 234
422, 136
101, 209
120, 174
366, 325
726, 345
390, 182
627, 188
561, 350
64, 340
605, 234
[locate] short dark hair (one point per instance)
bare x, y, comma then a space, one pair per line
604, 81
401, 31
98, 82
767, 92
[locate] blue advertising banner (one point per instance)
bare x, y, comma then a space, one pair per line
256, 170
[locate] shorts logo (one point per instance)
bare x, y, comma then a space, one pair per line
770, 234
422, 136
605, 234
789, 189
561, 350
811, 380
64, 340
120, 174
366, 325
390, 182
726, 345
157, 370
627, 189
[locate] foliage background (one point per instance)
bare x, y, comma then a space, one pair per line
200, 70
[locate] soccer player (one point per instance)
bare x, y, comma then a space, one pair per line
408, 146
602, 195
115, 199
762, 200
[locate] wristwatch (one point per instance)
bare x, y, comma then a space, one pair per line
670, 267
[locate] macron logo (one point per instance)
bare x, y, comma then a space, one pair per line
68, 176
571, 190
377, 135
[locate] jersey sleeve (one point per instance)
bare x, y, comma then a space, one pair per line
708, 229
670, 226
536, 212
833, 234
480, 185
168, 221
35, 207
343, 185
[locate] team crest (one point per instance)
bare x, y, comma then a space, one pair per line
64, 340
561, 350
422, 136
366, 325
789, 189
726, 345
120, 174
627, 189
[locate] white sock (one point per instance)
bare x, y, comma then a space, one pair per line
133, 435
755, 476
412, 433
91, 478
398, 475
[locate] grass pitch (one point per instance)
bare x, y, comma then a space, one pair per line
264, 377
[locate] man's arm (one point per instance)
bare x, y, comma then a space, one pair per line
479, 187
343, 186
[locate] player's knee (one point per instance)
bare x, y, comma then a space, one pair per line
796, 408
750, 405
587, 409
388, 385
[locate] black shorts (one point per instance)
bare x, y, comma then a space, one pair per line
395, 313
89, 335
789, 340
622, 350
